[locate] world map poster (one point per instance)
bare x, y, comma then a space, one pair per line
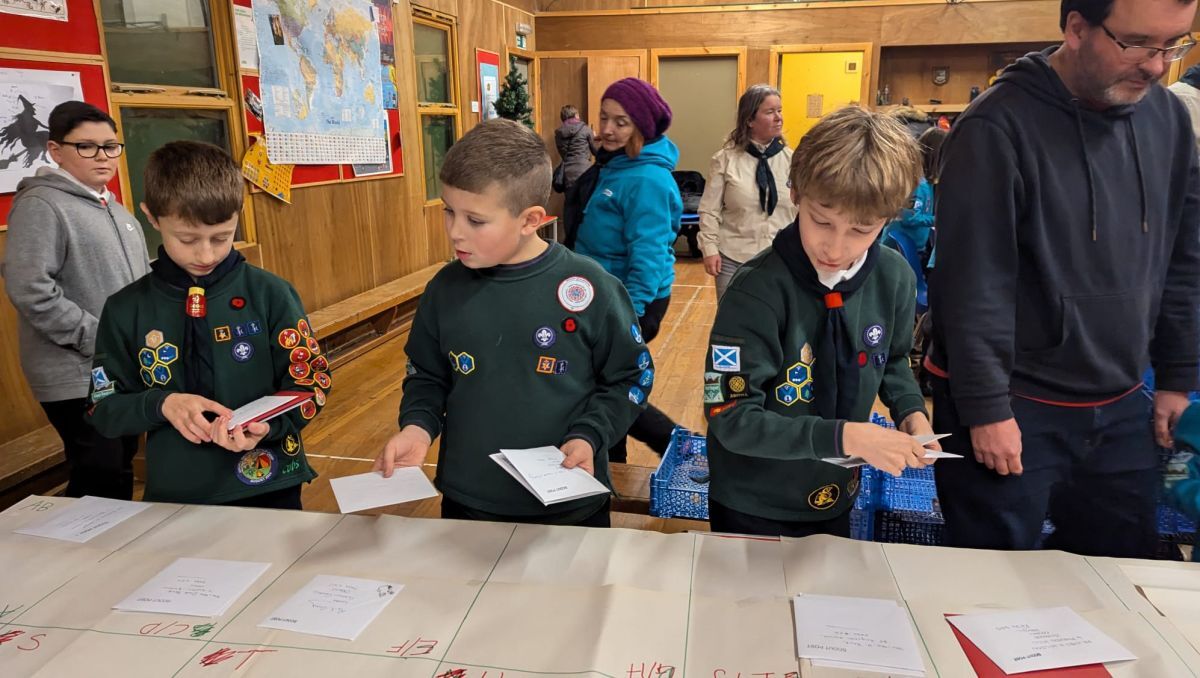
319, 67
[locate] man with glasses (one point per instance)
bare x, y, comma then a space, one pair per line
70, 245
1068, 220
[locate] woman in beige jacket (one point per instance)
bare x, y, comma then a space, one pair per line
746, 200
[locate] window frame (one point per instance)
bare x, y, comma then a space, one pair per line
174, 97
449, 24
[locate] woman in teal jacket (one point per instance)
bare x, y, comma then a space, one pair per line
631, 219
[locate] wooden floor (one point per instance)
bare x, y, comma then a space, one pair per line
363, 407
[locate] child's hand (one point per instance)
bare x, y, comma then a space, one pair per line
579, 453
185, 412
917, 424
885, 449
407, 448
241, 438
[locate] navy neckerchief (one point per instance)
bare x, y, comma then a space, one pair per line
835, 396
197, 340
768, 193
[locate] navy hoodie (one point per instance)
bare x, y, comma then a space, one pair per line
1068, 247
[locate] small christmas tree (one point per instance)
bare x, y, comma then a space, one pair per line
513, 102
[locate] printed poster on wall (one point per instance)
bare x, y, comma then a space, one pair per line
387, 52
489, 82
39, 9
26, 99
375, 170
319, 71
247, 38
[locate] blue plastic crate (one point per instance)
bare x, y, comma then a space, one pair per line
862, 524
909, 527
673, 491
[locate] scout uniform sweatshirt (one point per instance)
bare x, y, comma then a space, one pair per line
261, 343
765, 438
523, 356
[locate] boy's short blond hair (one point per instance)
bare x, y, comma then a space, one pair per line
506, 153
194, 181
863, 163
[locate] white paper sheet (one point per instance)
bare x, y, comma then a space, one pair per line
257, 408
84, 519
540, 470
874, 633
370, 490
853, 462
1019, 641
861, 668
337, 607
196, 587
247, 38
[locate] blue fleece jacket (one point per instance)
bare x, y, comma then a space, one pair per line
1184, 493
631, 222
916, 220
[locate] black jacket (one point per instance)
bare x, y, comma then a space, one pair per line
1069, 247
574, 143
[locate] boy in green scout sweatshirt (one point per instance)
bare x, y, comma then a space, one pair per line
810, 331
203, 333
519, 343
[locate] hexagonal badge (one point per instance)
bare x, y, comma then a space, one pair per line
786, 394
167, 353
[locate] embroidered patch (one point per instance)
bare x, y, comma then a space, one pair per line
636, 395
799, 374
300, 354
717, 409
737, 386
873, 335
787, 394
243, 351
806, 393
289, 338
308, 409
824, 497
644, 360
291, 468
161, 375
299, 370
543, 337
862, 358
576, 293
879, 359
254, 327
852, 486
147, 358
636, 331
237, 303
222, 333
256, 467
647, 379
712, 388
305, 382
147, 377
323, 380
319, 396
291, 445
320, 364
409, 368
100, 379
313, 345
102, 393
167, 353
806, 354
240, 331
560, 367
545, 365
304, 328
464, 363
154, 338
570, 325
726, 358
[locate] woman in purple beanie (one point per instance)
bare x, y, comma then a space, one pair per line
631, 219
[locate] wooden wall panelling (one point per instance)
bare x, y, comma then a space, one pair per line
757, 65
908, 71
561, 81
22, 413
605, 68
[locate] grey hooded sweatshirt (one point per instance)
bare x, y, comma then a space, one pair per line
66, 252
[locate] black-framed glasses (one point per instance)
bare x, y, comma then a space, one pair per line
87, 149
1136, 54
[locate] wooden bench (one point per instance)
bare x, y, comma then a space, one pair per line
376, 310
31, 464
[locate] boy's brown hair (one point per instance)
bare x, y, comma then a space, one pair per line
863, 163
503, 152
194, 181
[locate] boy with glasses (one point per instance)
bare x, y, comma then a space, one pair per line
1068, 219
70, 245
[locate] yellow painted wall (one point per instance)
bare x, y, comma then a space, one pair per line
823, 73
